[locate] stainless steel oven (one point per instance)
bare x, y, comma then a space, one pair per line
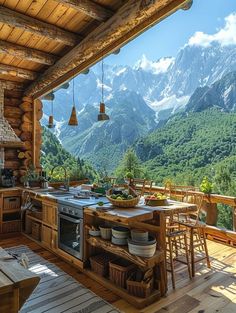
70, 230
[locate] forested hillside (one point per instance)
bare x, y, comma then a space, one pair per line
53, 154
189, 146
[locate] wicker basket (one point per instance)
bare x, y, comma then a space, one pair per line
123, 203
139, 289
11, 203
119, 271
100, 263
156, 202
36, 231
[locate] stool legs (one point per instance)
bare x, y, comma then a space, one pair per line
201, 242
172, 243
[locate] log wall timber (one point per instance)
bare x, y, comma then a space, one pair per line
9, 85
133, 18
23, 114
17, 72
28, 54
89, 8
34, 26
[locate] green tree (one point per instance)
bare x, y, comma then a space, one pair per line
129, 164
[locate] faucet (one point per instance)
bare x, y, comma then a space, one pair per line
66, 178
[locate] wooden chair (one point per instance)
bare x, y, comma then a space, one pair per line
176, 246
138, 184
196, 231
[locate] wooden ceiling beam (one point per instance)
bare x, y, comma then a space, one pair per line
133, 18
26, 53
10, 85
17, 72
37, 27
89, 8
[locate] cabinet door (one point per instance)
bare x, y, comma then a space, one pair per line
47, 236
54, 239
50, 214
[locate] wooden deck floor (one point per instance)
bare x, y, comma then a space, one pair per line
210, 291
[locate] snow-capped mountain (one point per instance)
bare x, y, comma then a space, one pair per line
138, 98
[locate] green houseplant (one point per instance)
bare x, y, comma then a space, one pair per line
206, 185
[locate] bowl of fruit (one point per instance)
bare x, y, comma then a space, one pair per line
125, 199
157, 199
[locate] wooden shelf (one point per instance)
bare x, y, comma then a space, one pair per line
34, 218
123, 293
40, 221
11, 211
123, 252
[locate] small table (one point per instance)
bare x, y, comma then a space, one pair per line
16, 283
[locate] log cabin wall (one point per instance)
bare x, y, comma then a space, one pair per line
23, 114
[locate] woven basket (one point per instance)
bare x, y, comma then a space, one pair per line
100, 263
156, 202
139, 289
123, 203
119, 271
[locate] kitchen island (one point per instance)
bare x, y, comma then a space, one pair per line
43, 226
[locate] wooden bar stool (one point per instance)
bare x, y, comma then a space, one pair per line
176, 246
176, 240
196, 231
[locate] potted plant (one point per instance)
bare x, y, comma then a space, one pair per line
206, 185
31, 178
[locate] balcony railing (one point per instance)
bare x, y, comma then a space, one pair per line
211, 202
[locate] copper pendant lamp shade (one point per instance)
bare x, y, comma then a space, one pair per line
50, 119
102, 116
73, 121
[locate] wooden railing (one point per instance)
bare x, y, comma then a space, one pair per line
210, 207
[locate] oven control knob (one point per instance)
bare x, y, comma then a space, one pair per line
71, 212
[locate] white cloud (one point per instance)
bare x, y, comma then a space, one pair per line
225, 36
161, 66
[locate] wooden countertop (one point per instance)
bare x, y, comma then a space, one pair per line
139, 213
14, 276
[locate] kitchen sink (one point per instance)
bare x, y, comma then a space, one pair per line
57, 193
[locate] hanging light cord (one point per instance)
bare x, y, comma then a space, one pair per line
73, 92
102, 82
52, 107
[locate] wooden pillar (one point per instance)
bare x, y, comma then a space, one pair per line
211, 213
234, 218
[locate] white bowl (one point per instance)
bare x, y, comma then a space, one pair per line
119, 241
146, 251
139, 235
105, 232
95, 233
120, 232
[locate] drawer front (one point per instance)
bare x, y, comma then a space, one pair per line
11, 203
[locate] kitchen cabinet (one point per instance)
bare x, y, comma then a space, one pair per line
10, 210
50, 214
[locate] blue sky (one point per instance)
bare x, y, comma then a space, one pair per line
165, 38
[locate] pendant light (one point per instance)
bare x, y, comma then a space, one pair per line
73, 121
102, 116
50, 119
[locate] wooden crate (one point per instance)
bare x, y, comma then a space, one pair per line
11, 203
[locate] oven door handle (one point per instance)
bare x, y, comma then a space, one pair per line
70, 219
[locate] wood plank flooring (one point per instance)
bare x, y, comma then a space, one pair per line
210, 291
